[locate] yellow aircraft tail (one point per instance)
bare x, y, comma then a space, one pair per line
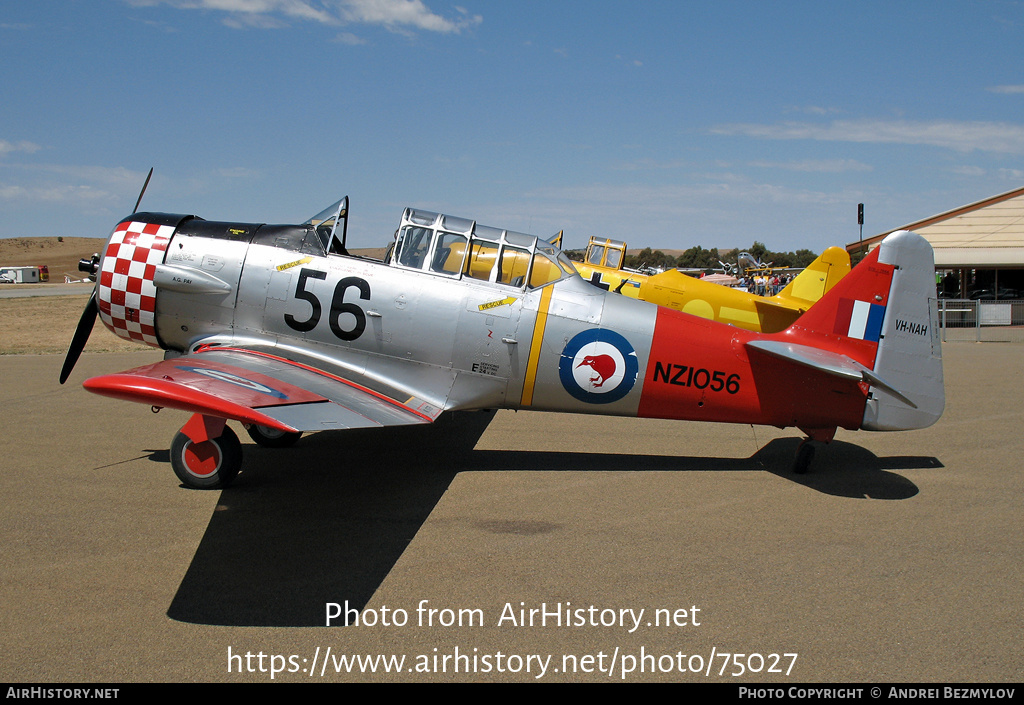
820, 275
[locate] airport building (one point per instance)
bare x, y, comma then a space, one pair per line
979, 248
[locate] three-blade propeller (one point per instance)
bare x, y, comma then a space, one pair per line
88, 319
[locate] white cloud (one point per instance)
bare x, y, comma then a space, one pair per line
350, 39
249, 12
999, 137
22, 146
79, 196
239, 172
253, 21
111, 177
721, 210
77, 186
722, 199
648, 164
811, 110
817, 165
395, 15
1005, 89
968, 170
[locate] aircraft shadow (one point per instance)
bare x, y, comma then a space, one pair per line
331, 525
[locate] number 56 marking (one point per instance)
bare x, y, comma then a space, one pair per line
338, 305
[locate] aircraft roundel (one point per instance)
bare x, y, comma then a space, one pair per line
224, 376
598, 366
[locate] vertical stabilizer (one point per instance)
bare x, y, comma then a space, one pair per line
909, 354
817, 279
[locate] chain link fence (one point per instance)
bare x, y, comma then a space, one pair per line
981, 321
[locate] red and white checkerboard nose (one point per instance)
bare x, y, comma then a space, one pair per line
127, 294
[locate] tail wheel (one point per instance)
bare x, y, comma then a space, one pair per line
272, 437
804, 456
212, 464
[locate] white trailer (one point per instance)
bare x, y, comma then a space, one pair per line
19, 275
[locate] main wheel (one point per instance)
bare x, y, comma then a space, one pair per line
212, 464
272, 437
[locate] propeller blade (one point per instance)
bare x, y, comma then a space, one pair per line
143, 191
85, 324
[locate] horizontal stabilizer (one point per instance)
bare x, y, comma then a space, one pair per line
827, 362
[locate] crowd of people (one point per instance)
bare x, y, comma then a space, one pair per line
765, 284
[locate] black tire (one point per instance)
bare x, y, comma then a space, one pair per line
271, 437
210, 465
804, 456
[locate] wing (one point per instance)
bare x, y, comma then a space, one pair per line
257, 387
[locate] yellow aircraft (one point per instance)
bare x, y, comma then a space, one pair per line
603, 267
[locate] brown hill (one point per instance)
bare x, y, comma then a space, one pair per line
61, 255
671, 253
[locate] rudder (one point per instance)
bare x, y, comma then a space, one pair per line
910, 349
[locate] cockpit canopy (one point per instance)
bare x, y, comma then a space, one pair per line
457, 248
604, 252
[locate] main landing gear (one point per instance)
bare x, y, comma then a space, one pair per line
206, 453
210, 464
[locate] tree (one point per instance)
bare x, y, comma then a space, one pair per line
698, 258
759, 250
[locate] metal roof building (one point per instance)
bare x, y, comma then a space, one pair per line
980, 244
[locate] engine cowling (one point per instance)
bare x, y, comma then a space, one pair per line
126, 292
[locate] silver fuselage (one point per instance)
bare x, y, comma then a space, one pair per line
461, 343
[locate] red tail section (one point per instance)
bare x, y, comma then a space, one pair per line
882, 316
865, 356
849, 318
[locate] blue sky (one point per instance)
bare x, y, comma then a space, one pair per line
665, 124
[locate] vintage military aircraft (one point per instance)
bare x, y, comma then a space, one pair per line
745, 263
748, 264
279, 328
603, 267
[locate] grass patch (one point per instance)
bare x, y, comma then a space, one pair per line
45, 325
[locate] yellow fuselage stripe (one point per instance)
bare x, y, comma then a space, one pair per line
535, 345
